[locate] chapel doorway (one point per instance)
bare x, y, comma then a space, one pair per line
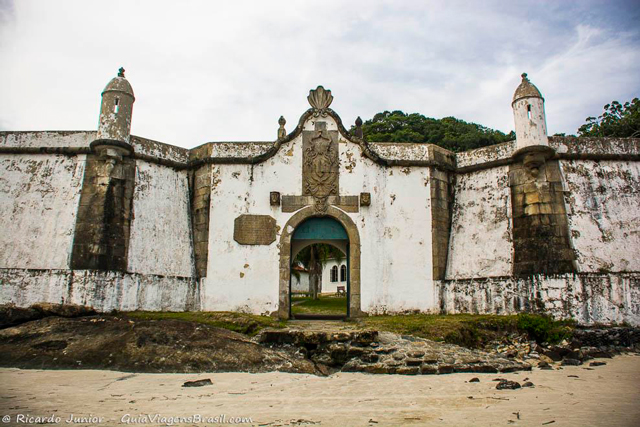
319, 280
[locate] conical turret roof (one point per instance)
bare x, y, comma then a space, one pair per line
526, 89
119, 84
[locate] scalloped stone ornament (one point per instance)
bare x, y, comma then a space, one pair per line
320, 99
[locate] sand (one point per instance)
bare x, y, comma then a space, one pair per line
573, 396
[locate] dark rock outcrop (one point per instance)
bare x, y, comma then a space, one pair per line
108, 342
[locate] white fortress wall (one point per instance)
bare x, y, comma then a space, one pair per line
39, 195
395, 231
160, 239
603, 199
481, 242
246, 277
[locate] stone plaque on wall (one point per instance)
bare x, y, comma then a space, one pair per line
254, 230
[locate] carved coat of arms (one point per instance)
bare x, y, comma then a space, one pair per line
321, 165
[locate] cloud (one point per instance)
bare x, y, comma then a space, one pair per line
207, 71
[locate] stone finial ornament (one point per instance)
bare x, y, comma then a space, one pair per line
320, 99
121, 72
526, 89
281, 130
358, 131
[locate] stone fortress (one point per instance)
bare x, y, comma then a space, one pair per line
117, 221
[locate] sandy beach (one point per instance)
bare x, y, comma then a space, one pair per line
573, 396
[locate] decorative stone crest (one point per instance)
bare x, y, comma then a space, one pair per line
320, 179
320, 99
365, 199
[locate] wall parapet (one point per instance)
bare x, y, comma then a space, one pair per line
253, 152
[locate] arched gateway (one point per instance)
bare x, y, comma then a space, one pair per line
299, 232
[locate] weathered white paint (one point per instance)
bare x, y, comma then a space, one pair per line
485, 155
103, 290
481, 241
243, 277
158, 149
116, 110
395, 232
39, 196
395, 256
160, 239
530, 122
74, 139
603, 201
588, 298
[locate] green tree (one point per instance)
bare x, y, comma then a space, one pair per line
449, 132
314, 258
617, 120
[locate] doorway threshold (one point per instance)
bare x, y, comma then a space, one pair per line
318, 317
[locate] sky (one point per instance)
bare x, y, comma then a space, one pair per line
227, 70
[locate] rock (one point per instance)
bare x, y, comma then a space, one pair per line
197, 383
597, 363
508, 385
144, 346
546, 359
369, 357
377, 368
353, 365
341, 337
398, 356
528, 384
553, 355
50, 345
415, 354
386, 350
446, 369
408, 370
413, 362
10, 315
601, 354
571, 362
544, 365
429, 369
484, 368
474, 380
355, 351
63, 310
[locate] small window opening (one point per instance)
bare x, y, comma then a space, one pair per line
116, 107
529, 111
343, 273
334, 273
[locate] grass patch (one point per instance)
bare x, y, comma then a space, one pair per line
248, 324
471, 330
322, 305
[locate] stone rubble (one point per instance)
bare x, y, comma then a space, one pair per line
388, 353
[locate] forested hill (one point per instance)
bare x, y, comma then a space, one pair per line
450, 133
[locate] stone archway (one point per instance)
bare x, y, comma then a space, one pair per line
285, 257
